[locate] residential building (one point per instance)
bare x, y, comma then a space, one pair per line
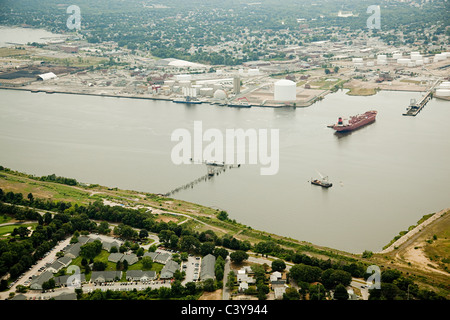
37, 281
140, 275
105, 276
169, 269
207, 268
131, 258
73, 250
71, 280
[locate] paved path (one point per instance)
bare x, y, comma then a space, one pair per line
414, 231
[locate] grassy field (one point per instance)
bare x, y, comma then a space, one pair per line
11, 52
362, 91
6, 230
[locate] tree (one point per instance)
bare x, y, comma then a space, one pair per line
238, 256
278, 265
147, 263
302, 272
327, 71
340, 293
207, 248
291, 294
143, 234
103, 227
99, 266
223, 215
91, 250
209, 285
231, 280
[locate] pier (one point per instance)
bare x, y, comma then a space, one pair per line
212, 171
415, 107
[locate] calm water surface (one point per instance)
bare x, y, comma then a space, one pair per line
385, 176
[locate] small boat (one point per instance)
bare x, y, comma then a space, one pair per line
323, 182
214, 163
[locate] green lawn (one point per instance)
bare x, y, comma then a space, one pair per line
9, 228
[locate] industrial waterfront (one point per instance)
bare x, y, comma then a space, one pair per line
385, 176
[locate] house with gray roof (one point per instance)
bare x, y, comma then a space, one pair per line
105, 276
37, 281
162, 258
169, 269
83, 239
73, 250
115, 257
152, 255
207, 269
131, 258
69, 279
66, 296
108, 245
59, 264
140, 275
55, 267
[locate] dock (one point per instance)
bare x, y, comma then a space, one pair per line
415, 107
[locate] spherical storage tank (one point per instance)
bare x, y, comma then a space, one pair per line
285, 90
220, 94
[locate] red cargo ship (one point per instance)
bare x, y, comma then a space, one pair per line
355, 122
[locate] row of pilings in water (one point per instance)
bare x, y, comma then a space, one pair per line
213, 170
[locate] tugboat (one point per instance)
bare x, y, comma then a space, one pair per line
323, 182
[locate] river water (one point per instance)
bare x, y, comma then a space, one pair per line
17, 35
385, 176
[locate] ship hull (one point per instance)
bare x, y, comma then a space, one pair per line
322, 184
368, 118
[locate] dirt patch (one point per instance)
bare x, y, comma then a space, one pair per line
215, 295
418, 259
166, 219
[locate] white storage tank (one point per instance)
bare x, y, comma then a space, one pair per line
445, 85
169, 83
185, 83
403, 61
285, 90
220, 94
443, 92
206, 92
184, 77
253, 72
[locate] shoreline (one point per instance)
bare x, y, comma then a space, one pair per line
414, 231
305, 105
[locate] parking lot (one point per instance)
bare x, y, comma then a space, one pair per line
192, 269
